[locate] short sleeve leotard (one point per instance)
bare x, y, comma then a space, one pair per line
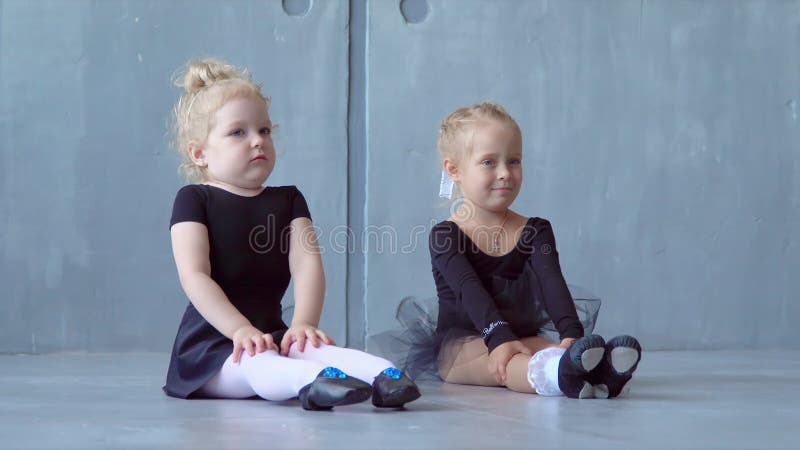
249, 256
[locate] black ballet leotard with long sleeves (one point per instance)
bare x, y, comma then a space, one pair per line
498, 297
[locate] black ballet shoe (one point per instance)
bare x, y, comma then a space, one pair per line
332, 387
621, 359
393, 389
577, 363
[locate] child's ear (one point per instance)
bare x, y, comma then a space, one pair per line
451, 169
197, 155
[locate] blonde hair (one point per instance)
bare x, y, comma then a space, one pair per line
457, 129
207, 84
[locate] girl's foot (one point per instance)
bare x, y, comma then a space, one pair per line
332, 387
576, 364
622, 357
393, 389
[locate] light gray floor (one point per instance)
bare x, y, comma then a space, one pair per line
743, 399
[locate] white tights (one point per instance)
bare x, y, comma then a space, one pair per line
274, 377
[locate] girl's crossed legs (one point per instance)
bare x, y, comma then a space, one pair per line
470, 365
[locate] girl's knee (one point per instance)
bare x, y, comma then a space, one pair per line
537, 343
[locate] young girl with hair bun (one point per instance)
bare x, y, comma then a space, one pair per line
499, 279
236, 245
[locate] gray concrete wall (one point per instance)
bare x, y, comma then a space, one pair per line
87, 177
661, 139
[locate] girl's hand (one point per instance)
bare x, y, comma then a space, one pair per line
300, 333
566, 343
501, 355
253, 340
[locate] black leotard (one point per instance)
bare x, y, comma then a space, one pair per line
249, 255
470, 283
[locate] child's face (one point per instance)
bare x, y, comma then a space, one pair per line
491, 175
239, 149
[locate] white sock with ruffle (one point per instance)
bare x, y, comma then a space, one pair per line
543, 371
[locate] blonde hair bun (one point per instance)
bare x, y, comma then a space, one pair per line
207, 85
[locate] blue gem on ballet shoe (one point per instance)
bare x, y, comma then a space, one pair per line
333, 372
332, 387
393, 389
393, 373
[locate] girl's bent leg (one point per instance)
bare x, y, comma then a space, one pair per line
267, 374
517, 374
355, 363
536, 343
229, 382
470, 365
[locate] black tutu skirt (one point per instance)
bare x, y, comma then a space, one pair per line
417, 346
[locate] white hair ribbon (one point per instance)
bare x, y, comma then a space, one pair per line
446, 186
